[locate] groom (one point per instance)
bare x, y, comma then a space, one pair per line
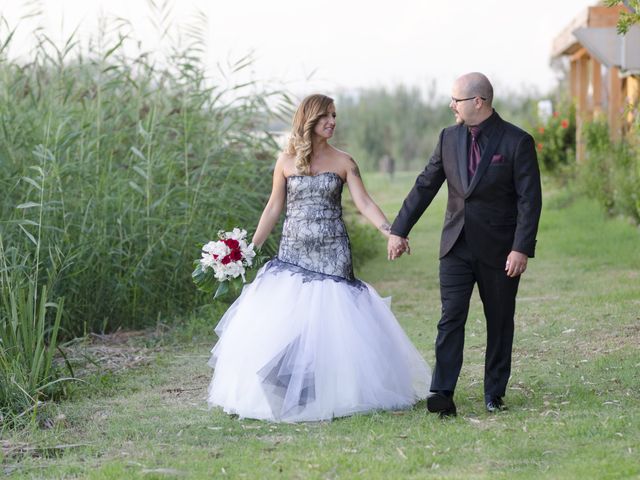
490, 225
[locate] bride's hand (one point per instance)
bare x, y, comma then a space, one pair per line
396, 246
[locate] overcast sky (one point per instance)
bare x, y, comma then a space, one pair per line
333, 45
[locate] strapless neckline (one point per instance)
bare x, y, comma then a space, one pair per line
316, 175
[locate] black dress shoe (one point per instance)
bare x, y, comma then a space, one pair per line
441, 404
495, 404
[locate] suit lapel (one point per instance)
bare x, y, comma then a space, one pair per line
485, 160
462, 156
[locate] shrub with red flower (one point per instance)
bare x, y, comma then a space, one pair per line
556, 139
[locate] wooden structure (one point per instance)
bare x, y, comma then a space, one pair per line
601, 82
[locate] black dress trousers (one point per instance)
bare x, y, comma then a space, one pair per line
459, 272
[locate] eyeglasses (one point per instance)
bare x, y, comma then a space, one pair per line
458, 100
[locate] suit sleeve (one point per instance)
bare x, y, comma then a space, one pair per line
424, 190
529, 193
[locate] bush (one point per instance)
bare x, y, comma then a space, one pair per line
365, 240
611, 172
556, 141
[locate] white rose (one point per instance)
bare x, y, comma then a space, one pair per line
217, 248
234, 269
220, 273
248, 253
237, 234
207, 261
209, 246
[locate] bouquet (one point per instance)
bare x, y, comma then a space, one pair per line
224, 262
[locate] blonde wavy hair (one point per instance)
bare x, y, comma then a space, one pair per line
305, 119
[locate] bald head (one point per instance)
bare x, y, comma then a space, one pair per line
471, 98
476, 83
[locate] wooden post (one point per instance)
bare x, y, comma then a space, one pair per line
596, 76
632, 95
615, 103
573, 80
582, 113
582, 83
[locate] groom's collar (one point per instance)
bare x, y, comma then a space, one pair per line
488, 124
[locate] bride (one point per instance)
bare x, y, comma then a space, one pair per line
306, 340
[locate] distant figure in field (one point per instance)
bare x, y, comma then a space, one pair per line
388, 165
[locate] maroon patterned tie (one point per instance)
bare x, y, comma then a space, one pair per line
474, 151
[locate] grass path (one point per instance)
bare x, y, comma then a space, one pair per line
573, 397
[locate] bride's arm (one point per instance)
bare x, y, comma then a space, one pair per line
273, 209
364, 203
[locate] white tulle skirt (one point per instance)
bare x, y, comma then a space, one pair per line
297, 348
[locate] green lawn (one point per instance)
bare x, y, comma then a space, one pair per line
573, 397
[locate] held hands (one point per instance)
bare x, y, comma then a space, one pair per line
396, 246
516, 264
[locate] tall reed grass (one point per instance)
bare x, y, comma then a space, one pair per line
133, 164
114, 167
28, 338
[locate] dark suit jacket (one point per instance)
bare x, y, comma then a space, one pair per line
499, 210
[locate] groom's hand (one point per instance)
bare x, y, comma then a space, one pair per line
396, 246
516, 264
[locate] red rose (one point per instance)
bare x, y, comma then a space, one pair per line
226, 260
541, 129
231, 243
564, 123
539, 146
235, 255
555, 114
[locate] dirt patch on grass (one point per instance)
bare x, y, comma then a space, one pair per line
109, 352
190, 392
18, 450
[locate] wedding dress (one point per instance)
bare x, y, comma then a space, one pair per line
306, 340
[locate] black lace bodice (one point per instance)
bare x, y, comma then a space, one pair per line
314, 237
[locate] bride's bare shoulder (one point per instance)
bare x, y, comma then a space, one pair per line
340, 154
344, 160
286, 162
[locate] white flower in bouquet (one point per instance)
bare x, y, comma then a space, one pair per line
234, 270
236, 234
217, 249
247, 252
